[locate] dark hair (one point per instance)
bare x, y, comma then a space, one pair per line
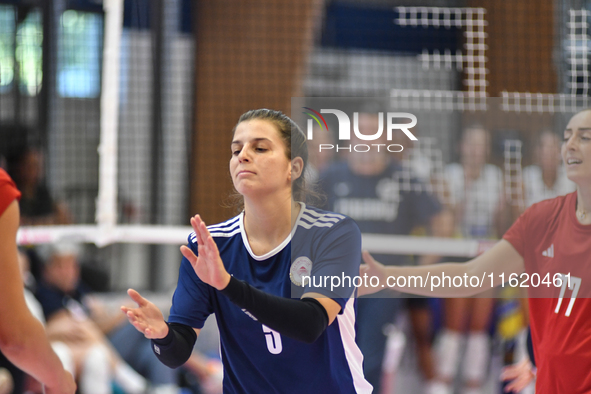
295, 146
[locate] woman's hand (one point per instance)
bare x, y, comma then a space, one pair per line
146, 318
520, 375
208, 266
371, 268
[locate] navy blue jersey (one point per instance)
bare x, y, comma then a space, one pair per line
257, 359
392, 202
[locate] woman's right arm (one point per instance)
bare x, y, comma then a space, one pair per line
501, 258
22, 337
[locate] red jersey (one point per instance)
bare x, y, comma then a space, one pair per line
8, 191
551, 241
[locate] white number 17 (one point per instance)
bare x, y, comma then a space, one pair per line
573, 284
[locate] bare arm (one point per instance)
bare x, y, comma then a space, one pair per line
22, 337
501, 258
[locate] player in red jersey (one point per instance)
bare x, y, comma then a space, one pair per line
22, 337
551, 241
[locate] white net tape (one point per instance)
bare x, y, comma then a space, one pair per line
177, 235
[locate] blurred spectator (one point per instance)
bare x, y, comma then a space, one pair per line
68, 304
547, 178
73, 314
37, 206
475, 196
383, 198
82, 355
59, 293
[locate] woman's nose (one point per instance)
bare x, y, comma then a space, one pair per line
243, 155
570, 144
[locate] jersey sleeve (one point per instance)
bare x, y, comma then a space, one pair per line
337, 262
8, 191
192, 299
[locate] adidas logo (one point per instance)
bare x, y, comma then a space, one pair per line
549, 252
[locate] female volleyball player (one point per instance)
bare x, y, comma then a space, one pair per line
279, 332
551, 237
22, 337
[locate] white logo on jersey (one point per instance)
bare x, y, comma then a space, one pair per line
549, 252
250, 315
302, 266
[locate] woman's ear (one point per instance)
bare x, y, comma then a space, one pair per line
297, 166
